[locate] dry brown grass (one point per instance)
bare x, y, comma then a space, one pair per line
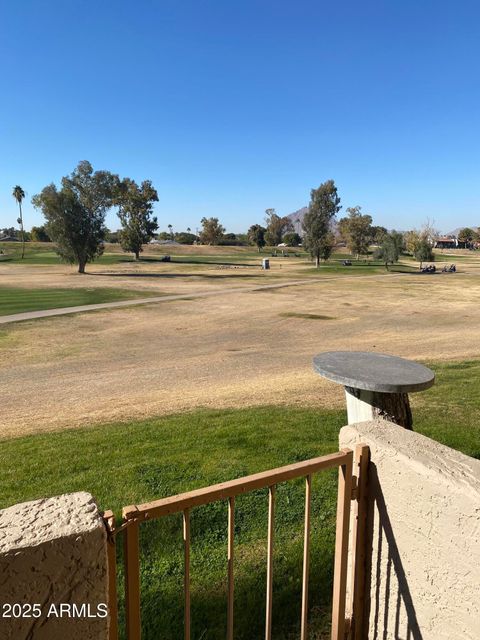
226, 351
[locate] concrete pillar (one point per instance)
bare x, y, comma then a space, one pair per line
423, 536
53, 570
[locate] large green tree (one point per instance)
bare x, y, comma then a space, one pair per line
75, 213
390, 248
317, 222
277, 227
256, 236
135, 210
357, 231
424, 252
212, 231
19, 194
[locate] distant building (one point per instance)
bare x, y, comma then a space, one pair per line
449, 242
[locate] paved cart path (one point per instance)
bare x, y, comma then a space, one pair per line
32, 315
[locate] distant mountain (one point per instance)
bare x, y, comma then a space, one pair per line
454, 233
297, 218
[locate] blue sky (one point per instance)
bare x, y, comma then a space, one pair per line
230, 107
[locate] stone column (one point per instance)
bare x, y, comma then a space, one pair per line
53, 570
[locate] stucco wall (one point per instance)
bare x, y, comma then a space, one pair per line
424, 536
53, 552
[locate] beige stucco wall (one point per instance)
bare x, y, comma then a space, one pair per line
424, 536
53, 551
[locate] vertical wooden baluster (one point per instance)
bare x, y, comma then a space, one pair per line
231, 529
132, 581
271, 526
306, 558
112, 576
357, 606
341, 548
186, 571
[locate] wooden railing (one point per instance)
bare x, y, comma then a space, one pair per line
348, 490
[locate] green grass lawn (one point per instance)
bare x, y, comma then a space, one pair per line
360, 267
41, 253
123, 464
130, 463
19, 300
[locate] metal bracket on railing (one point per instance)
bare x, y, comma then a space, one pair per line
112, 529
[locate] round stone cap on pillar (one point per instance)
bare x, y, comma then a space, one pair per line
376, 384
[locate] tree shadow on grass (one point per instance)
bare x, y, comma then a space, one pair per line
223, 263
354, 265
198, 276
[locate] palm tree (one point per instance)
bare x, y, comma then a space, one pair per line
19, 194
171, 231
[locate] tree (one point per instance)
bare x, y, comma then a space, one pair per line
390, 248
429, 231
324, 205
39, 234
75, 213
19, 194
423, 251
356, 229
326, 246
412, 240
185, 237
292, 239
276, 227
211, 231
170, 230
342, 230
420, 244
378, 233
135, 209
229, 240
256, 236
467, 235
113, 236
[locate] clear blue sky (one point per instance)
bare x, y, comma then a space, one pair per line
232, 106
